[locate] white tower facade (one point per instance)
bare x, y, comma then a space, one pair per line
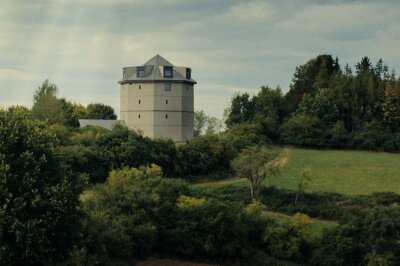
157, 99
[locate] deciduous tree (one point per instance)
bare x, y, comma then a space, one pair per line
256, 164
39, 195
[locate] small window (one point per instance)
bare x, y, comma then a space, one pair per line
139, 116
140, 72
166, 101
167, 87
140, 87
124, 73
139, 101
167, 72
188, 73
166, 116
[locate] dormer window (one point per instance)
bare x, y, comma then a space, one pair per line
188, 73
140, 72
167, 72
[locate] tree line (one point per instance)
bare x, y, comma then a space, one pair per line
47, 106
327, 106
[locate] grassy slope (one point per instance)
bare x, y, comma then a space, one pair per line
343, 172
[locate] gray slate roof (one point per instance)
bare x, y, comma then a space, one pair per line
107, 124
153, 73
158, 60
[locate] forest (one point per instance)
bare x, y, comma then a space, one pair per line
327, 106
91, 196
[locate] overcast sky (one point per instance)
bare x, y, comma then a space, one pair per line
231, 46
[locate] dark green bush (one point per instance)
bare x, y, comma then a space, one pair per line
369, 236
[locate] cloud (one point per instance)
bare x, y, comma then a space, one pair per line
230, 44
14, 75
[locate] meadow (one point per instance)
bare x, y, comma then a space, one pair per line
333, 171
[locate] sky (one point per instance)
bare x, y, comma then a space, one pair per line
232, 46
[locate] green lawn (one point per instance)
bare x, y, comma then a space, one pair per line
343, 172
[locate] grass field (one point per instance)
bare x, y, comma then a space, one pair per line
343, 172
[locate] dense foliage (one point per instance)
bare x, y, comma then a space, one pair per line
137, 213
371, 237
39, 195
47, 107
328, 106
95, 152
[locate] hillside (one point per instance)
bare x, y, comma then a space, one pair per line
343, 172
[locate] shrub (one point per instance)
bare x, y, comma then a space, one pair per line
39, 215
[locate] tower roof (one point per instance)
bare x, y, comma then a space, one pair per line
158, 60
153, 71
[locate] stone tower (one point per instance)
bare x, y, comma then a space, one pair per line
157, 99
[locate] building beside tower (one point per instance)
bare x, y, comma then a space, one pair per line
157, 99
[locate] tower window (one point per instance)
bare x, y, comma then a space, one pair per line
124, 74
139, 101
166, 116
167, 72
139, 116
188, 73
167, 87
140, 72
140, 87
166, 101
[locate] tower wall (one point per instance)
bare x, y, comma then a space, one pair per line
149, 108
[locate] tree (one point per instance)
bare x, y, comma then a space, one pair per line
288, 240
46, 106
303, 130
270, 110
39, 217
100, 111
370, 235
390, 109
206, 124
364, 65
309, 77
128, 215
45, 103
200, 119
80, 111
241, 110
256, 164
213, 125
304, 180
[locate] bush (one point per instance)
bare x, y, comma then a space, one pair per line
289, 239
84, 161
303, 130
218, 231
131, 210
202, 156
39, 215
369, 236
